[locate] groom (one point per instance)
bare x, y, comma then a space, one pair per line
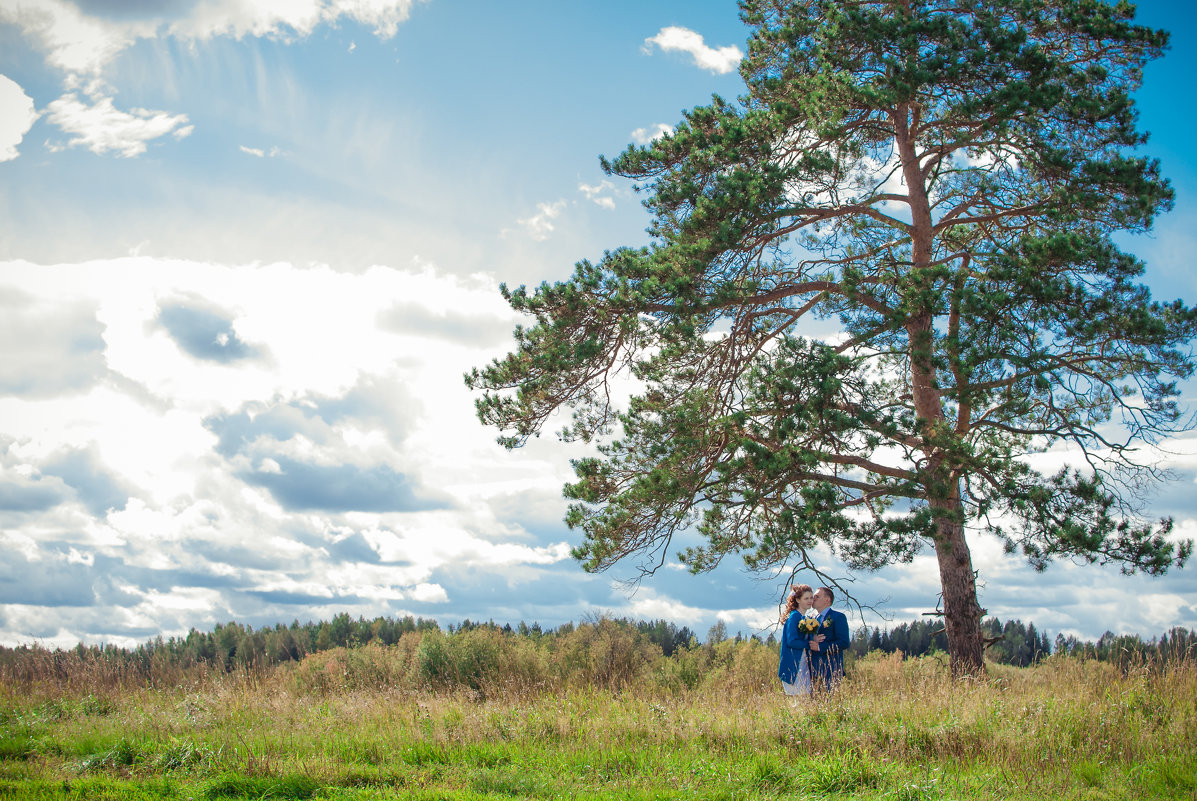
827, 657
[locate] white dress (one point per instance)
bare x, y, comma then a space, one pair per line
801, 683
803, 680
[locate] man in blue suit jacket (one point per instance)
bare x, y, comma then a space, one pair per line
827, 657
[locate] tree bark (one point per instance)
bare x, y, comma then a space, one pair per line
961, 612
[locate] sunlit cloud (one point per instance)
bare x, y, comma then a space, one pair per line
72, 39
83, 40
347, 447
103, 128
17, 115
643, 136
719, 60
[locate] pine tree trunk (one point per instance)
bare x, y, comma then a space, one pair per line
962, 613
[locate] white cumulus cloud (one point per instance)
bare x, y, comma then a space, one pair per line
673, 38
384, 15
643, 136
429, 593
103, 128
17, 116
71, 39
306, 445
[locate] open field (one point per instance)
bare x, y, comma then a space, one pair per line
346, 725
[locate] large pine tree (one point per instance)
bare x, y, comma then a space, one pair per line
941, 178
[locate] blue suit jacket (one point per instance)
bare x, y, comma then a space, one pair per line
827, 663
793, 643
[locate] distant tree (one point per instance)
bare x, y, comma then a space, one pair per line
665, 635
685, 638
341, 629
1177, 644
944, 180
860, 641
324, 638
226, 639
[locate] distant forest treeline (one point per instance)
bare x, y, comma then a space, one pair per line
234, 646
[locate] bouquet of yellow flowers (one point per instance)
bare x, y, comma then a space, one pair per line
808, 625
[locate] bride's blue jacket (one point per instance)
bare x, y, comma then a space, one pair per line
793, 643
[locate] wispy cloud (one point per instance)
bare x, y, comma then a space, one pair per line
595, 193
17, 115
258, 152
85, 41
540, 225
288, 20
718, 60
103, 128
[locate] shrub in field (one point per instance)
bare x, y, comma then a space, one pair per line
728, 666
604, 653
370, 667
468, 658
523, 664
682, 671
483, 658
743, 667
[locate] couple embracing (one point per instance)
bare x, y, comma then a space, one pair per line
813, 640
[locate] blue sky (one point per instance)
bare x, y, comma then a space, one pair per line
249, 250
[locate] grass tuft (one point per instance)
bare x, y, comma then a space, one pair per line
124, 753
284, 787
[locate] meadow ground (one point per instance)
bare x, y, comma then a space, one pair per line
337, 726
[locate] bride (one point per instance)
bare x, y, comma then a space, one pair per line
796, 633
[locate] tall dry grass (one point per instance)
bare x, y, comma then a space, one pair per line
600, 709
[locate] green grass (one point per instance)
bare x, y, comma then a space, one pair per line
901, 731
